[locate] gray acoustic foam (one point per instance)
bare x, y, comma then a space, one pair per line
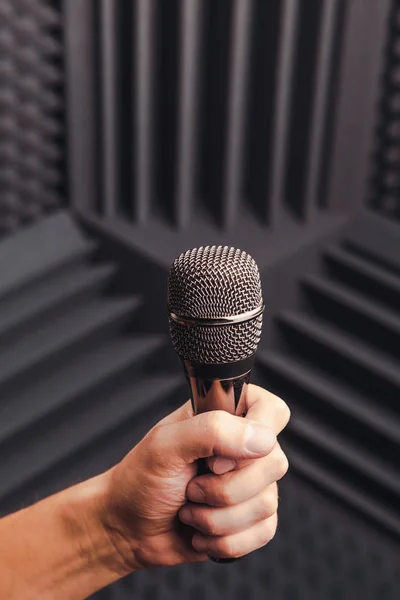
74, 374
203, 107
32, 178
241, 123
336, 360
384, 189
81, 386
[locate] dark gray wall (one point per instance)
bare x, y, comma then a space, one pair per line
384, 189
196, 118
32, 110
191, 122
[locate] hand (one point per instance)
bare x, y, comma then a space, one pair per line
154, 498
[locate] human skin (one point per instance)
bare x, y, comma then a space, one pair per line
152, 509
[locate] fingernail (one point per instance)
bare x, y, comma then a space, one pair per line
223, 465
258, 438
199, 543
185, 514
195, 493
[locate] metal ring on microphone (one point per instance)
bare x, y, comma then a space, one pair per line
217, 321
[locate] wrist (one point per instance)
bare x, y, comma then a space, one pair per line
116, 528
87, 517
63, 544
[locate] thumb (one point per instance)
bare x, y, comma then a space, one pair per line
215, 433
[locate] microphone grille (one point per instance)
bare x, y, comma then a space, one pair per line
211, 282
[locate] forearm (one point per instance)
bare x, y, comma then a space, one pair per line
58, 549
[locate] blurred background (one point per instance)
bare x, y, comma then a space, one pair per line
131, 131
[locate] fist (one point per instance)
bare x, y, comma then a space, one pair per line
159, 512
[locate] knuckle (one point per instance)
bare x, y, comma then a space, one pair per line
216, 419
274, 503
268, 530
225, 547
282, 464
152, 450
218, 493
216, 423
153, 436
268, 504
206, 523
226, 496
281, 406
284, 410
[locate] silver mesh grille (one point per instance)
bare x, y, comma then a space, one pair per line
211, 282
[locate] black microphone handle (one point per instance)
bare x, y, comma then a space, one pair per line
218, 387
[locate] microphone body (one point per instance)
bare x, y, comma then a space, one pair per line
218, 387
215, 314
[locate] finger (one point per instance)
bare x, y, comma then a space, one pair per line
267, 409
237, 544
262, 407
220, 465
212, 433
238, 486
232, 519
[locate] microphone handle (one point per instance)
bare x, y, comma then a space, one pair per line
210, 393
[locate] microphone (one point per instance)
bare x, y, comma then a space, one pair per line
215, 309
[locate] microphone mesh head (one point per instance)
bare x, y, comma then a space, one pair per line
211, 282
